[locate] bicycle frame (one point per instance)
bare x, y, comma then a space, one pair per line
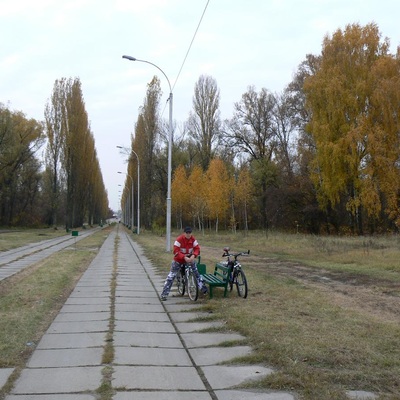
237, 276
186, 281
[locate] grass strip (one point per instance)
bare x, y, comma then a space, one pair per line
319, 348
31, 299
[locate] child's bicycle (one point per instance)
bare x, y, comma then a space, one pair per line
186, 281
236, 274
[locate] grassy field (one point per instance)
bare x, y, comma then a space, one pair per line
12, 238
30, 300
324, 312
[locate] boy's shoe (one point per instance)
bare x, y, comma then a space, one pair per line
204, 289
163, 297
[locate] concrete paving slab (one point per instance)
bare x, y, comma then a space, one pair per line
193, 340
151, 356
361, 395
129, 285
148, 339
155, 301
4, 375
132, 294
74, 308
94, 284
251, 395
87, 293
138, 316
52, 397
66, 358
165, 396
186, 327
144, 326
89, 300
58, 380
139, 307
72, 340
157, 378
76, 317
78, 327
216, 355
225, 377
133, 276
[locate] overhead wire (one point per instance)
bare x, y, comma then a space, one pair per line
187, 53
190, 46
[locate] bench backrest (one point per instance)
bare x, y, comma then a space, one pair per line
222, 271
201, 267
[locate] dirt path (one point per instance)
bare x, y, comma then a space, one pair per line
376, 297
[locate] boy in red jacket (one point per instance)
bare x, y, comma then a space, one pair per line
186, 249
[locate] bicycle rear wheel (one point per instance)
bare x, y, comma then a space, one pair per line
193, 289
180, 282
241, 284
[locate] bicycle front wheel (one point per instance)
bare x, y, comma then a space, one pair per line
193, 289
241, 284
180, 282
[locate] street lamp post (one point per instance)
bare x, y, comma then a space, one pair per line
132, 195
168, 242
138, 187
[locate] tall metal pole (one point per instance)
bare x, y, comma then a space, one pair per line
138, 191
168, 221
168, 244
132, 221
126, 151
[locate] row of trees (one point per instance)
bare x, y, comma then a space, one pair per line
63, 187
324, 154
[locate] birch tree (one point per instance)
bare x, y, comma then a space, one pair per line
355, 128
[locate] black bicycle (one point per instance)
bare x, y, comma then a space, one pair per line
237, 276
186, 281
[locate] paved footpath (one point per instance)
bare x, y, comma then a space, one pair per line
159, 349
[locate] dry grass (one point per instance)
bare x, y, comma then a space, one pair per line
323, 311
316, 333
12, 238
30, 300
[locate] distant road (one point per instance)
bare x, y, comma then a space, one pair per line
15, 260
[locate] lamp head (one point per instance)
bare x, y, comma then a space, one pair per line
129, 58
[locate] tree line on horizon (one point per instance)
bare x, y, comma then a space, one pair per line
322, 156
63, 188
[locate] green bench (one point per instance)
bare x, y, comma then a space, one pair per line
220, 277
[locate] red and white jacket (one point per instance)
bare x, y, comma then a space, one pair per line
183, 247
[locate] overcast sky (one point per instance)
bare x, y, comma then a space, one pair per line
239, 43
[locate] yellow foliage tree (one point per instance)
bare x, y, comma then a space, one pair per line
180, 195
354, 102
196, 191
218, 190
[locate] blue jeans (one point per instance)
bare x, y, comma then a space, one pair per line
175, 266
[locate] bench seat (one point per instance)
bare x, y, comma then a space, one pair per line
220, 278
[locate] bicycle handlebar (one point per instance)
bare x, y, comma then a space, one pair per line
242, 253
